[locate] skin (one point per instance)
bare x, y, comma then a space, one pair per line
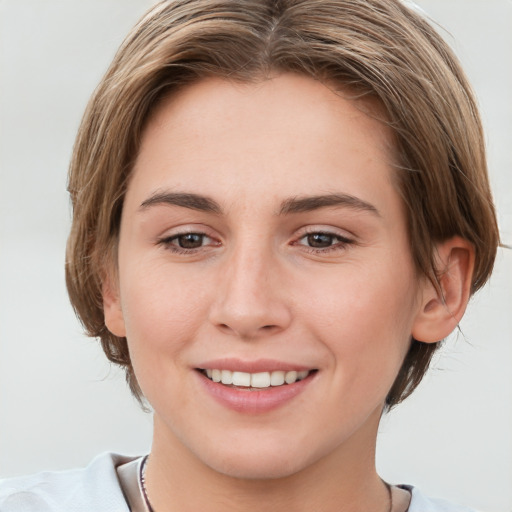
254, 288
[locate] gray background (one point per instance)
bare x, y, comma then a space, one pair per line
60, 401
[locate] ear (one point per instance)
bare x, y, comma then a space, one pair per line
114, 319
443, 306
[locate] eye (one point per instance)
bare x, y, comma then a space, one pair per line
320, 241
189, 240
186, 243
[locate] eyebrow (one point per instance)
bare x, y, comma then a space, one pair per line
298, 204
186, 200
310, 203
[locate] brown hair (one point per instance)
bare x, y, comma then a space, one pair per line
380, 48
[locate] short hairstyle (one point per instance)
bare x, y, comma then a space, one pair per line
381, 49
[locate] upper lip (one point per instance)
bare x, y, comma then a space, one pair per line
256, 366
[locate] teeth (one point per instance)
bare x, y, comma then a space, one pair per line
226, 377
260, 380
277, 378
255, 380
241, 379
290, 377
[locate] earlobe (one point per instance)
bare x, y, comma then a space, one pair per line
443, 306
114, 319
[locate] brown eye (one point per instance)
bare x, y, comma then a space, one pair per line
189, 240
324, 242
188, 243
320, 240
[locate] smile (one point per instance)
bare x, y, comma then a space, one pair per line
256, 391
255, 380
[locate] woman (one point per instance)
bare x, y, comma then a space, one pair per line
279, 209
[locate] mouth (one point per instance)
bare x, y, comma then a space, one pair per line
255, 381
254, 387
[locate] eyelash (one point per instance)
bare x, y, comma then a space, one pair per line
337, 242
167, 242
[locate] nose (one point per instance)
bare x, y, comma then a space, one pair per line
250, 302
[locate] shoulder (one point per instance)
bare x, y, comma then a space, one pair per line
95, 487
420, 503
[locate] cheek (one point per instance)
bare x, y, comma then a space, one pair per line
360, 298
162, 310
364, 318
161, 321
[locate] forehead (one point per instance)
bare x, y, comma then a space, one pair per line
282, 133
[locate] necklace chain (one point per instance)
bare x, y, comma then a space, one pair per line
142, 479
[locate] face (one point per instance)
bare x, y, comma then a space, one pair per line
262, 240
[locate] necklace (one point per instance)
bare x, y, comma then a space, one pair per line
142, 480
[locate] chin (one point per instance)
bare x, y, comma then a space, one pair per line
265, 463
257, 470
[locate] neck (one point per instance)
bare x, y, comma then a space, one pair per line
345, 480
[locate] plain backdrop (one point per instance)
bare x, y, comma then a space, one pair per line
61, 403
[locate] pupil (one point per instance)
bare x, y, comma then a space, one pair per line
320, 240
190, 241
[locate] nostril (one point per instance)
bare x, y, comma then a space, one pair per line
245, 332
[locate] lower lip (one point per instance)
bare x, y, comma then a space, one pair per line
251, 400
